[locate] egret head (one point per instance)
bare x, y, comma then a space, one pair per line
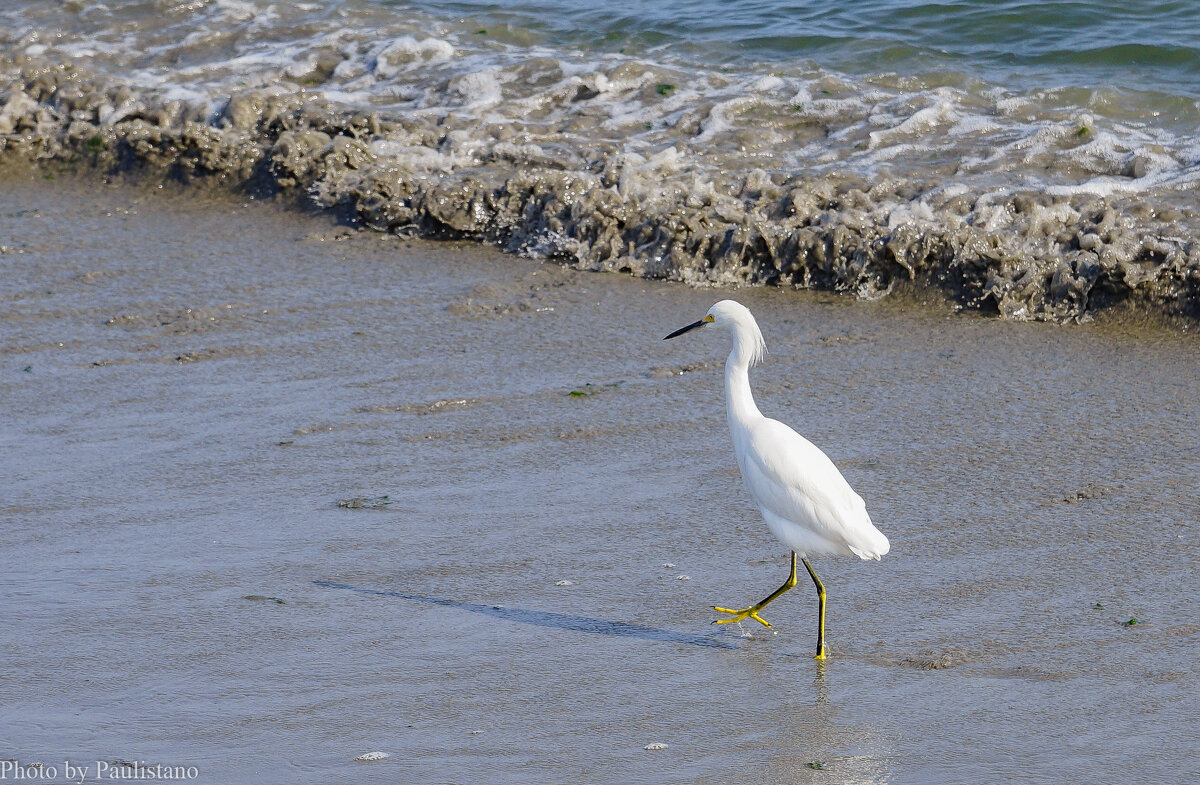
734, 316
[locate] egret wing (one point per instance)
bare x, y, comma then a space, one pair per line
791, 478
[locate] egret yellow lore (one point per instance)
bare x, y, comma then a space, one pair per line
804, 499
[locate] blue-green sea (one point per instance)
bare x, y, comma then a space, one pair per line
1153, 46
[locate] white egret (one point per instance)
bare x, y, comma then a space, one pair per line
804, 499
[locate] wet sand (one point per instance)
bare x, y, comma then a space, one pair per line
205, 402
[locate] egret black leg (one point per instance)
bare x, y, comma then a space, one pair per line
821, 611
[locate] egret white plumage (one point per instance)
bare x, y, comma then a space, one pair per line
804, 499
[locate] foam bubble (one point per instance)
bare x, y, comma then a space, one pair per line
915, 213
406, 53
918, 123
480, 88
765, 84
235, 10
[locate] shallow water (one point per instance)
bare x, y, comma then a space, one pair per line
191, 386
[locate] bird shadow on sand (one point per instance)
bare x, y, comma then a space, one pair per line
560, 621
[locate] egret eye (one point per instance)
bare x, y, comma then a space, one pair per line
707, 318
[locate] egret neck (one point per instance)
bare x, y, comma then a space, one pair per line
739, 402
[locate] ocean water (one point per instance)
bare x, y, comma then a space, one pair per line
758, 117
1097, 95
1148, 46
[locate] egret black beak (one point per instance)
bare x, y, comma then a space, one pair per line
689, 328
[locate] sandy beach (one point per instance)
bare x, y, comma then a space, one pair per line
277, 493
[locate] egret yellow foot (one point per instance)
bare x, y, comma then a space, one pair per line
752, 611
745, 613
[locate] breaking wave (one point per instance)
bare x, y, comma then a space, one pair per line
1044, 203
